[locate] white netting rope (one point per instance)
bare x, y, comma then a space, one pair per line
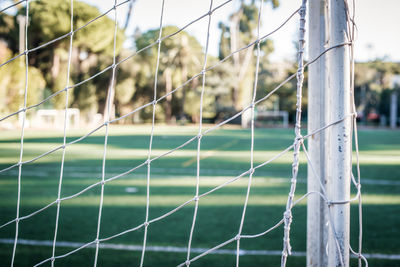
199, 136
146, 223
298, 142
107, 123
64, 133
21, 152
251, 170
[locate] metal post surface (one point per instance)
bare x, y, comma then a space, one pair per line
339, 155
317, 149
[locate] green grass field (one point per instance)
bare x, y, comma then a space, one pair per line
225, 153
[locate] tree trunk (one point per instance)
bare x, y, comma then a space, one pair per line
184, 78
240, 64
168, 89
233, 31
55, 69
111, 91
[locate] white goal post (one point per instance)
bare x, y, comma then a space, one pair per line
330, 168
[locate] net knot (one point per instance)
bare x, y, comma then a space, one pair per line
146, 224
299, 138
252, 170
302, 10
237, 237
154, 102
287, 215
97, 241
58, 201
52, 259
187, 263
196, 198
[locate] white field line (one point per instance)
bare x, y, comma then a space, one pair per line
77, 172
171, 249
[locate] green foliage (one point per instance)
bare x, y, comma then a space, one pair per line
192, 105
13, 83
92, 50
124, 91
375, 74
86, 98
146, 114
382, 102
248, 22
49, 18
8, 26
179, 50
240, 32
52, 18
181, 57
373, 86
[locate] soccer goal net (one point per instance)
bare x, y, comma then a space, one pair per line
198, 222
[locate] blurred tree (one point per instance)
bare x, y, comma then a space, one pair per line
219, 83
9, 32
50, 19
240, 32
122, 89
12, 82
285, 98
181, 56
373, 87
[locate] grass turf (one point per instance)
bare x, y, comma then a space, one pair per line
224, 155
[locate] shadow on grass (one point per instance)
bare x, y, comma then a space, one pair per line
214, 225
265, 139
216, 221
229, 142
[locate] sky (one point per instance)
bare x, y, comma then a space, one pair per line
378, 31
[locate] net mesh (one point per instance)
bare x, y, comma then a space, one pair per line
297, 146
